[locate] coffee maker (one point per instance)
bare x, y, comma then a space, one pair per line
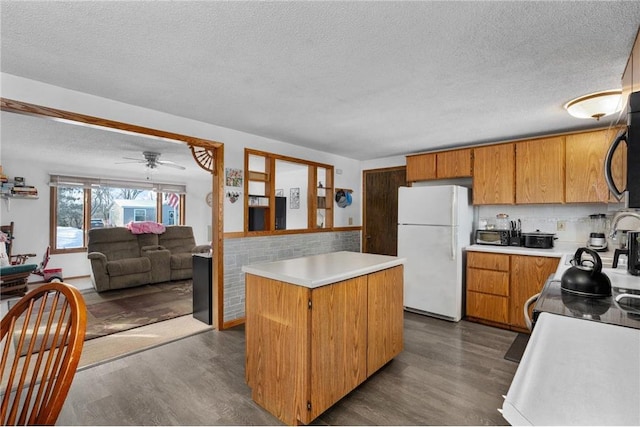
597, 237
633, 263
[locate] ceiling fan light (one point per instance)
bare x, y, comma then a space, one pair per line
595, 105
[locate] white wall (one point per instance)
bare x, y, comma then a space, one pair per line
296, 218
34, 236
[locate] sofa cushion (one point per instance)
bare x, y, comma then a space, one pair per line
178, 239
115, 242
128, 266
181, 261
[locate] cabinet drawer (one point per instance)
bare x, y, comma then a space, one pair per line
488, 261
488, 307
488, 281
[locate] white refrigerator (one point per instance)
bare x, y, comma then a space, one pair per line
434, 226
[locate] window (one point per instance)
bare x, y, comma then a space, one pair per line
139, 215
284, 193
79, 204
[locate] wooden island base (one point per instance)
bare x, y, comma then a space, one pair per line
307, 347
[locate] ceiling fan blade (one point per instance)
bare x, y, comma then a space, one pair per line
170, 164
131, 161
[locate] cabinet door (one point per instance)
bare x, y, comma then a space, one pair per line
494, 174
421, 167
453, 164
528, 275
386, 317
338, 342
277, 346
540, 171
585, 166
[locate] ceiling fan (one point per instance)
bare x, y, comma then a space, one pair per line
152, 161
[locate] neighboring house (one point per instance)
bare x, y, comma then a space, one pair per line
124, 211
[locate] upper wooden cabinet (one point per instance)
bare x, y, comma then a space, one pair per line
540, 170
585, 153
421, 167
441, 165
494, 174
453, 164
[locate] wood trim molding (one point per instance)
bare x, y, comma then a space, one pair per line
235, 322
217, 173
20, 107
348, 228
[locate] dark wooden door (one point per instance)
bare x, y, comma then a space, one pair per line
381, 209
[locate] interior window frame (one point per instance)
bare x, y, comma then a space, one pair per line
314, 193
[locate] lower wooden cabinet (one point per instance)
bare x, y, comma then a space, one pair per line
308, 347
498, 285
528, 275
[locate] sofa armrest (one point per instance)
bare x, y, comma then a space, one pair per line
99, 269
98, 256
200, 249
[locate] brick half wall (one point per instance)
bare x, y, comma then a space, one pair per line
250, 250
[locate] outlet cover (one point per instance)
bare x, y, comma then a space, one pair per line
561, 225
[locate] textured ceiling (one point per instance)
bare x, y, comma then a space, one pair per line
360, 79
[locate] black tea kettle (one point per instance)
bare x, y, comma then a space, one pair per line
586, 280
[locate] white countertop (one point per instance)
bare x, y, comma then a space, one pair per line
575, 372
559, 249
319, 270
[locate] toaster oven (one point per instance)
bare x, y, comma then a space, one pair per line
493, 237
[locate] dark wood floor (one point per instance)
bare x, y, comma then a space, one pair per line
448, 374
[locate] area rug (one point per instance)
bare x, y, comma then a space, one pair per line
517, 348
120, 310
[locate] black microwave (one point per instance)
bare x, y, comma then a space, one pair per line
493, 237
631, 136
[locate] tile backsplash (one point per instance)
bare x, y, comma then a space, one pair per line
547, 218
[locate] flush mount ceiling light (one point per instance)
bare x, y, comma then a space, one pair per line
595, 105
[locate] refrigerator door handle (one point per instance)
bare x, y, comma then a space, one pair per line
454, 205
454, 248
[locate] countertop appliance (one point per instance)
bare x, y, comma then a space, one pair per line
631, 136
434, 225
586, 280
538, 240
615, 309
598, 238
493, 237
581, 365
633, 258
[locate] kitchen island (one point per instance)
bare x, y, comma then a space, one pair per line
317, 327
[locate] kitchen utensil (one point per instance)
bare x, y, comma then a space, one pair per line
633, 246
586, 280
538, 240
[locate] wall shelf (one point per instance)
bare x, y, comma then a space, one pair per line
18, 196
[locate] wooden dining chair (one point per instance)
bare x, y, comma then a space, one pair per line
42, 336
